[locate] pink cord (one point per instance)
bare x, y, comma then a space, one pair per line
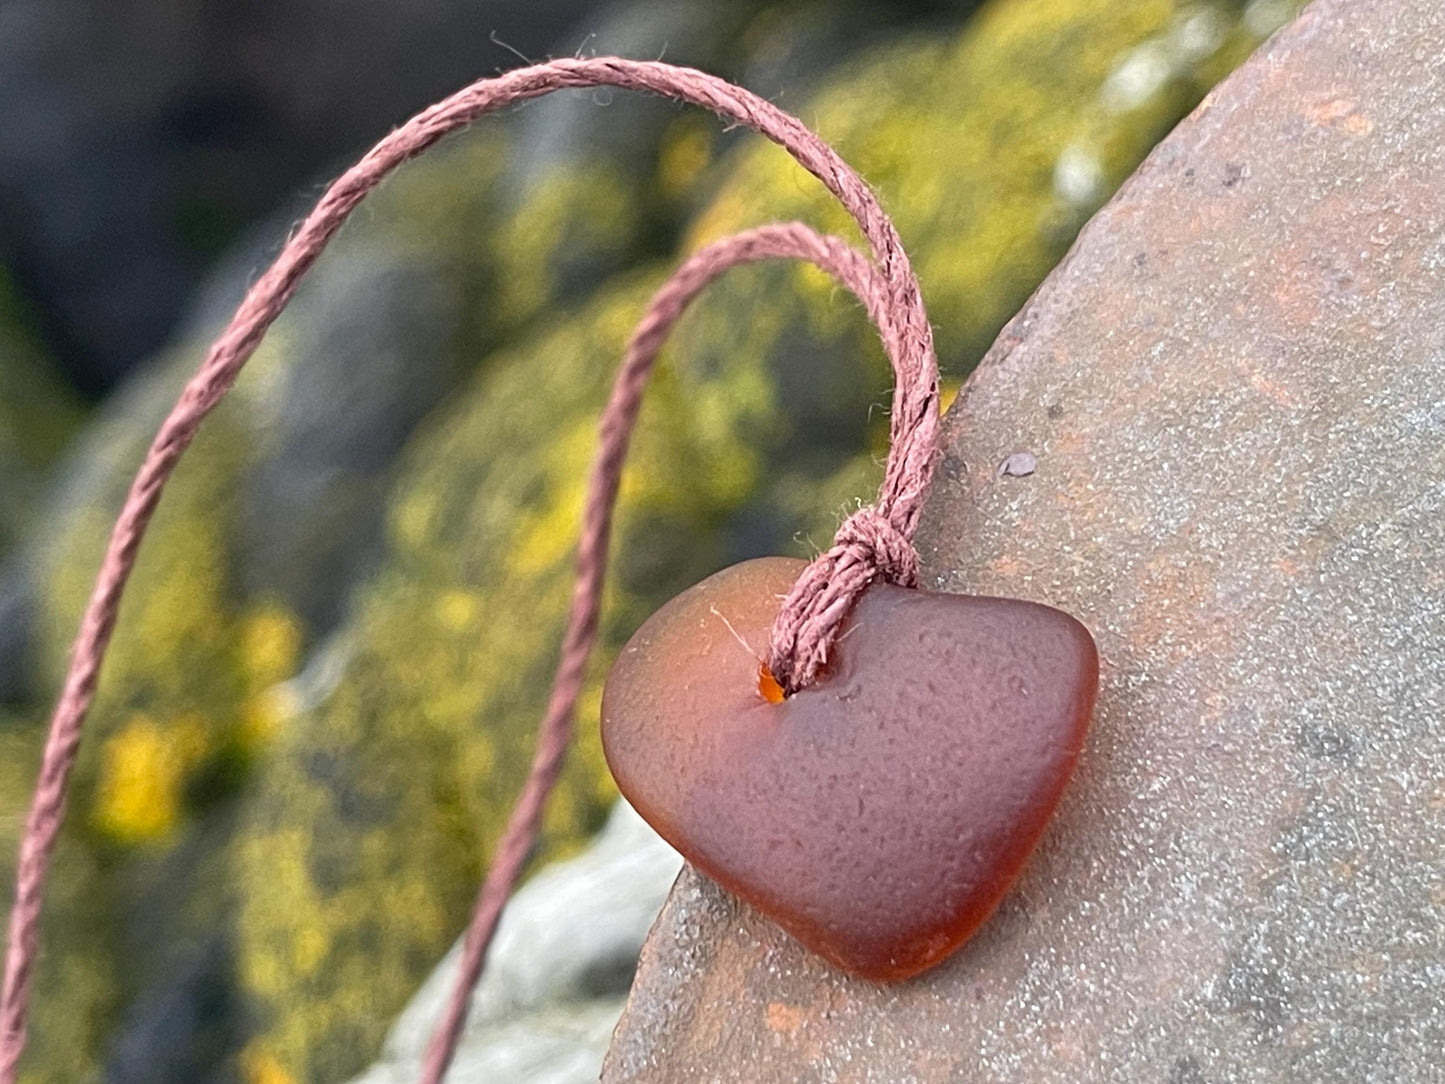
790, 240
874, 542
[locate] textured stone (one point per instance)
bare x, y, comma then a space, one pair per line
1234, 388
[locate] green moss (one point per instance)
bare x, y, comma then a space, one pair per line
563, 227
75, 988
184, 671
180, 704
990, 151
432, 723
38, 415
188, 702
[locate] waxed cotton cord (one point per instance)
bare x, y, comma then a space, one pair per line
789, 240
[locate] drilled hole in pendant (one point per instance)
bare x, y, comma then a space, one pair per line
768, 686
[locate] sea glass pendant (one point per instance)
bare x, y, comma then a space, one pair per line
881, 814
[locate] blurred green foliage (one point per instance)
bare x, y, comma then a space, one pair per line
990, 149
38, 415
456, 636
324, 799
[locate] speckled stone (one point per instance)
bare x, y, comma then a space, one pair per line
1234, 394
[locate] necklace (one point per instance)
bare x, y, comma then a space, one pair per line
868, 763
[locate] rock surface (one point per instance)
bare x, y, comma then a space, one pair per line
557, 973
1234, 391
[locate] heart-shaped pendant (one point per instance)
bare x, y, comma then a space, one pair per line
881, 814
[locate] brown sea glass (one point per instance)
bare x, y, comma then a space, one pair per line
880, 815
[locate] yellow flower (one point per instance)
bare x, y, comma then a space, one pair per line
144, 770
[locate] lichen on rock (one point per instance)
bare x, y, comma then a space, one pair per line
447, 667
991, 148
38, 415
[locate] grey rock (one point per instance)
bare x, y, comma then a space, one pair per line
369, 359
558, 971
561, 1046
16, 607
136, 137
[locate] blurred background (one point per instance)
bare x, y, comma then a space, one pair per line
322, 692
